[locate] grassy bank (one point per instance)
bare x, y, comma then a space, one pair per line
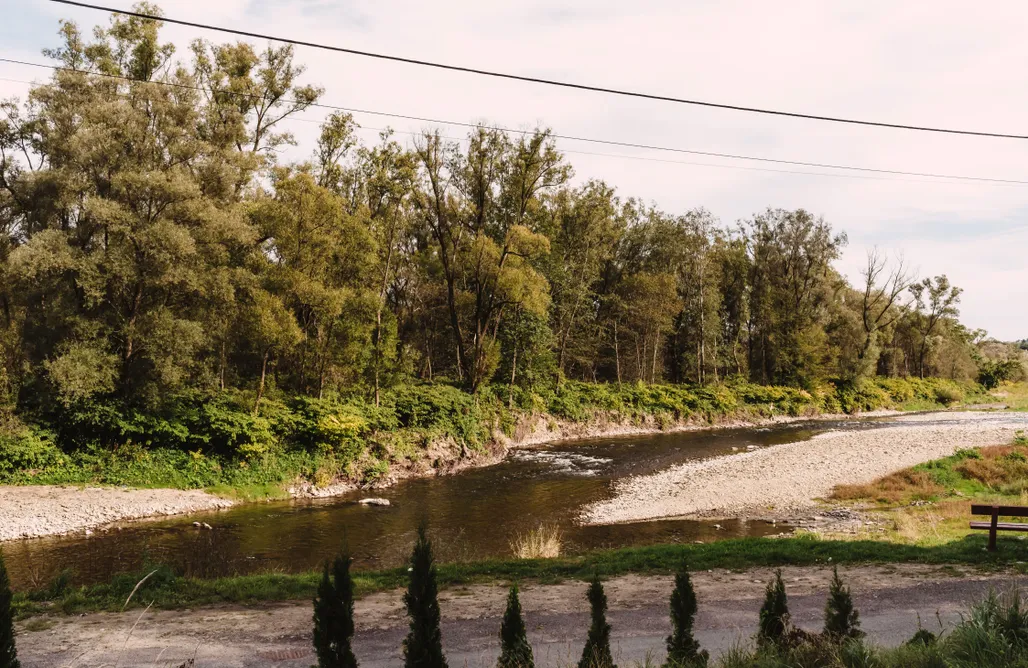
166, 590
219, 443
929, 504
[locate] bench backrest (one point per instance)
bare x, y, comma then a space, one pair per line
1003, 511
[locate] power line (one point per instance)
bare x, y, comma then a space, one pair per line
540, 80
623, 156
593, 140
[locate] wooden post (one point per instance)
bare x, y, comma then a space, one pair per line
992, 529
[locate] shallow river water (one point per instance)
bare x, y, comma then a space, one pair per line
471, 515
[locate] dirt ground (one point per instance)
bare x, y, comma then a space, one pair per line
890, 600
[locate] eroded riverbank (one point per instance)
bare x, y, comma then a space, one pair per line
783, 479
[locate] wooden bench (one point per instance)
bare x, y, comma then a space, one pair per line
994, 525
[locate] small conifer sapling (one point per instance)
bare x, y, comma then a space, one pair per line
774, 613
515, 651
682, 648
596, 653
842, 621
423, 647
8, 653
333, 617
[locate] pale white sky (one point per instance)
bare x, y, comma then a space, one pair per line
941, 63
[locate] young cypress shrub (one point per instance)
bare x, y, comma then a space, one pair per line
842, 621
515, 651
8, 654
423, 647
774, 614
333, 617
682, 648
596, 653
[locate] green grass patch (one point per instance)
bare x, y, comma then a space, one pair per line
166, 590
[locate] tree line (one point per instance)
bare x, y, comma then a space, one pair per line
153, 242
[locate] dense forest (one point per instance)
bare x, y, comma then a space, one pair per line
155, 249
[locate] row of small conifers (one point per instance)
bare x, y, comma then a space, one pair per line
334, 625
334, 621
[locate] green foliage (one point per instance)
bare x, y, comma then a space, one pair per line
596, 653
423, 646
948, 395
333, 617
30, 451
993, 372
774, 614
195, 294
682, 648
8, 653
515, 650
842, 621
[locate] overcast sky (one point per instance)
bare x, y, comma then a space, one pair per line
910, 62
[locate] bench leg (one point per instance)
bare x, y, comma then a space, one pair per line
992, 532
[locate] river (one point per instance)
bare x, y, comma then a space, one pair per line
471, 515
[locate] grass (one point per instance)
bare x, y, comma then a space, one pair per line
1014, 395
930, 503
166, 590
543, 542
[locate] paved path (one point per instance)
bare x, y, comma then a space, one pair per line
889, 599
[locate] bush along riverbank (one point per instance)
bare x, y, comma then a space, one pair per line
219, 442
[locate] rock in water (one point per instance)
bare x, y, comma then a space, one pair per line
374, 502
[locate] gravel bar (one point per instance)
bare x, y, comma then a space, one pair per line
36, 511
790, 477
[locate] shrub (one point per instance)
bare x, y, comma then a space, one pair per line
842, 621
226, 429
515, 650
774, 613
333, 617
423, 647
682, 648
8, 653
948, 395
596, 653
31, 451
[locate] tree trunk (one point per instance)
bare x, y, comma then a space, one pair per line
222, 363
260, 388
513, 376
617, 353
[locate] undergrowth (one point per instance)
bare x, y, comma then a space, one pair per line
218, 442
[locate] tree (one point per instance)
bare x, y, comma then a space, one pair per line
879, 308
333, 617
515, 651
682, 648
842, 621
596, 653
792, 285
423, 647
935, 301
8, 653
774, 613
